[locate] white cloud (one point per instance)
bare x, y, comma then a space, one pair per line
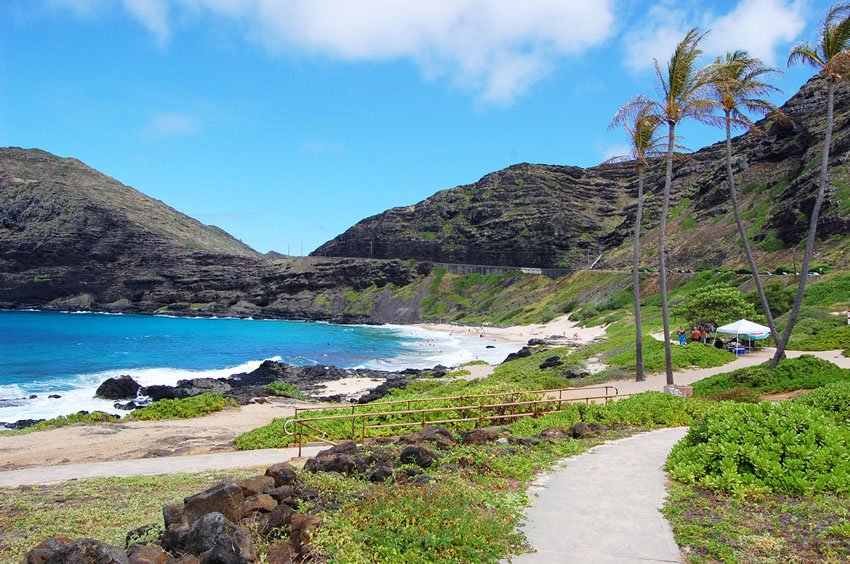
153, 14
495, 48
171, 124
758, 26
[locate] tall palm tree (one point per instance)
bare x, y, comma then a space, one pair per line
683, 95
641, 124
832, 60
736, 86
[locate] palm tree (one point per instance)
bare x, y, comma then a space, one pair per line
683, 92
641, 126
832, 60
736, 87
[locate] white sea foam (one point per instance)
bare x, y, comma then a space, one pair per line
78, 394
435, 347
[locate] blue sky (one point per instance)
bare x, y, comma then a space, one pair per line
287, 121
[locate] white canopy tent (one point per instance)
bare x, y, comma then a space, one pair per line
747, 329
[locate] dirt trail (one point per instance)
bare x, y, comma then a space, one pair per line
138, 439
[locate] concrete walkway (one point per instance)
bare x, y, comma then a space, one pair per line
151, 466
603, 506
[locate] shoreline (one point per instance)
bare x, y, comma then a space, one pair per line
560, 328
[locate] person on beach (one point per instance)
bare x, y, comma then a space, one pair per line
696, 335
682, 338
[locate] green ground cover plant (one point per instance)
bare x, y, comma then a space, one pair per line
285, 390
804, 373
73, 419
30, 514
185, 408
759, 449
831, 289
692, 354
833, 399
831, 338
712, 527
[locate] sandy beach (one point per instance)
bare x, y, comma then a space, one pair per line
561, 327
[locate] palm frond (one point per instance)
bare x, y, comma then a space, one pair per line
806, 54
737, 85
830, 55
640, 119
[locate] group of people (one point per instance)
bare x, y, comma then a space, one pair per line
700, 334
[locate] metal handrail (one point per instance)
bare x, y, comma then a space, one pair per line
304, 428
353, 408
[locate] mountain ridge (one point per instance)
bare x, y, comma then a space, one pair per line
551, 215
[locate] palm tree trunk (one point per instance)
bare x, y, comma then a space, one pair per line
813, 226
733, 192
662, 259
640, 377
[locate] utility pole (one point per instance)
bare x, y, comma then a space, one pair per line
371, 246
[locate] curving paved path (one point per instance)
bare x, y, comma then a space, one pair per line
603, 506
151, 466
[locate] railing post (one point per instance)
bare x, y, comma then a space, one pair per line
299, 436
363, 431
353, 423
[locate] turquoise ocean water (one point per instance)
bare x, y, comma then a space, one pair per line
70, 354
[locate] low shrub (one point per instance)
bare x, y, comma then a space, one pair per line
65, 420
757, 449
648, 409
652, 409
185, 408
284, 390
267, 436
833, 399
803, 373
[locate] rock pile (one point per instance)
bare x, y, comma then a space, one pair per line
213, 526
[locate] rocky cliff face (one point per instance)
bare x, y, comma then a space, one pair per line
72, 238
542, 215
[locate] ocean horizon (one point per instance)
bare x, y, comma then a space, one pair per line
68, 354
